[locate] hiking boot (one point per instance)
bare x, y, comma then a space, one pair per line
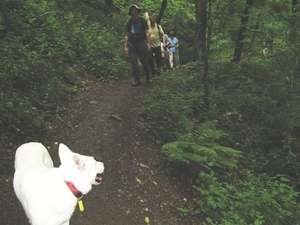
135, 83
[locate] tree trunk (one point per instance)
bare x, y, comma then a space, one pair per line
207, 42
294, 40
161, 11
201, 20
293, 22
242, 32
109, 4
201, 45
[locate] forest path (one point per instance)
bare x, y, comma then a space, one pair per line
101, 121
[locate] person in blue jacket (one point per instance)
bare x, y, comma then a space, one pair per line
173, 49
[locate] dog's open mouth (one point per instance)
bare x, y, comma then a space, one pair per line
98, 178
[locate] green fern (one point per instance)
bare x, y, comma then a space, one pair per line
201, 148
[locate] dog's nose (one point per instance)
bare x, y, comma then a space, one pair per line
100, 167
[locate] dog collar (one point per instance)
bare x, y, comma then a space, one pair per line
74, 190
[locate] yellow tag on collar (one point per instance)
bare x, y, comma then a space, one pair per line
80, 205
147, 220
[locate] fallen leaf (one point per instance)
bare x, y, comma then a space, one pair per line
117, 117
144, 166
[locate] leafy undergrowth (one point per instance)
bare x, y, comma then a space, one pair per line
227, 149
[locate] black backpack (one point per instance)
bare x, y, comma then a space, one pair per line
130, 23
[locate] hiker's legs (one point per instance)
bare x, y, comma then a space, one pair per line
171, 58
177, 62
133, 55
158, 57
265, 52
143, 52
167, 62
163, 63
151, 62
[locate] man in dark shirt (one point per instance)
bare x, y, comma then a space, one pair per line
137, 43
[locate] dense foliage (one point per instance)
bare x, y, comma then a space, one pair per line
252, 114
236, 137
48, 47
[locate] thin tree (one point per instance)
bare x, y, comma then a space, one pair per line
294, 37
109, 4
201, 25
205, 21
293, 22
161, 11
242, 32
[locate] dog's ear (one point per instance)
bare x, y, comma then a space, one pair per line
65, 154
78, 161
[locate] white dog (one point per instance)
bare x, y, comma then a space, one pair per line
48, 194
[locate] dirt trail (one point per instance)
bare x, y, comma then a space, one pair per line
101, 121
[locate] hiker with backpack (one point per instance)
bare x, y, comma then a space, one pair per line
137, 43
157, 38
173, 51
